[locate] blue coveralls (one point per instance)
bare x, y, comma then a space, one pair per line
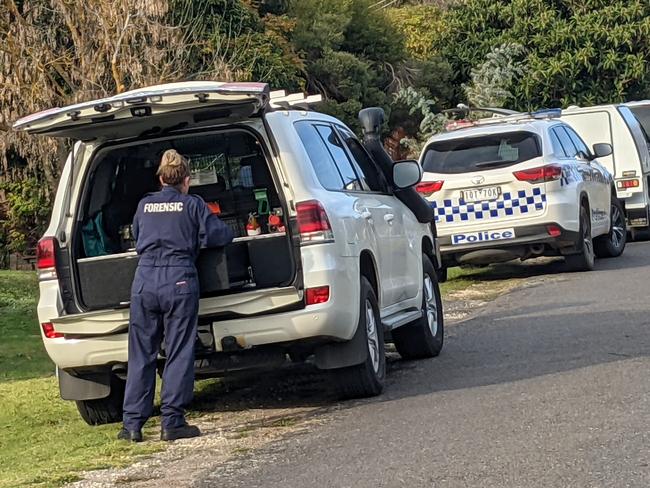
169, 228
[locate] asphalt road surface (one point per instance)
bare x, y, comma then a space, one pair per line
548, 386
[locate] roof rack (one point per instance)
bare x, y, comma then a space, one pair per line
513, 118
280, 100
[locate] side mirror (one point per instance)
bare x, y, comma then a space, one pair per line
406, 173
372, 119
602, 149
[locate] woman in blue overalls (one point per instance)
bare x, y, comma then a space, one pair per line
170, 227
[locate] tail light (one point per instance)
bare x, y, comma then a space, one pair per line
319, 294
313, 224
625, 184
554, 230
49, 332
428, 188
541, 174
46, 258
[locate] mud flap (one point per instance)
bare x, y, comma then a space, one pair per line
88, 386
343, 354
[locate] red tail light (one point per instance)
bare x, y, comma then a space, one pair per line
550, 172
554, 230
427, 188
313, 224
45, 257
319, 294
625, 184
48, 330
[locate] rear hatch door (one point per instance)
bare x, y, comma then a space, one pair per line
150, 111
470, 180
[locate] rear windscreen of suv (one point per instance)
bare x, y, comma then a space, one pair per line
642, 114
467, 154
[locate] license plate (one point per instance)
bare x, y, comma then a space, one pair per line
480, 194
482, 236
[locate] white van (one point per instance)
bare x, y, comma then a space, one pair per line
626, 127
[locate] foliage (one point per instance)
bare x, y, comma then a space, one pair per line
26, 210
577, 51
431, 123
422, 26
493, 80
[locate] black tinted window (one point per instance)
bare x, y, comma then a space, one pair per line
558, 150
370, 173
335, 147
642, 115
577, 141
567, 144
320, 157
466, 154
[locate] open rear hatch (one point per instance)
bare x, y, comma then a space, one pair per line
149, 111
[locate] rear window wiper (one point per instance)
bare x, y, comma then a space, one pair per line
489, 164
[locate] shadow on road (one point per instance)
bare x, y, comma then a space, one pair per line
510, 343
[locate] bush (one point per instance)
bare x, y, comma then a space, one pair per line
26, 211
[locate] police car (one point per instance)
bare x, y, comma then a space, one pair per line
521, 186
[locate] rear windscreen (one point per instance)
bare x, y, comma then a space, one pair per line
467, 154
642, 114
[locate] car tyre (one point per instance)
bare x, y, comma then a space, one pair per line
424, 337
612, 244
104, 410
366, 379
442, 274
584, 260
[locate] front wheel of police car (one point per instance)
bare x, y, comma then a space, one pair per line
584, 260
612, 244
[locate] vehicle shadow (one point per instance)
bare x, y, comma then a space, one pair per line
501, 345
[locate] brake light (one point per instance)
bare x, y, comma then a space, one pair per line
48, 330
320, 294
428, 188
45, 258
625, 184
313, 223
541, 174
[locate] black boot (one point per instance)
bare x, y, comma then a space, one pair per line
130, 435
185, 431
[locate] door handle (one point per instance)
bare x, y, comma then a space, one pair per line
388, 218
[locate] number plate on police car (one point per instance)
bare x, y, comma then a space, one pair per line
482, 236
480, 194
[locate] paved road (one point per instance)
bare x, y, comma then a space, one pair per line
548, 387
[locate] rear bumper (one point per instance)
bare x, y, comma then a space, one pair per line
335, 320
637, 217
526, 236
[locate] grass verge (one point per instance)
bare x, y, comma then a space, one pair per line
43, 440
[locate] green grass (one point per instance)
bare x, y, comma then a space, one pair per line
461, 278
43, 441
22, 354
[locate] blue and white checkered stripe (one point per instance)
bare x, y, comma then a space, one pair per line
509, 204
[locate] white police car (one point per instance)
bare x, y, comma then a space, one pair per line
521, 186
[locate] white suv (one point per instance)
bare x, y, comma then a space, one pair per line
521, 186
335, 259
